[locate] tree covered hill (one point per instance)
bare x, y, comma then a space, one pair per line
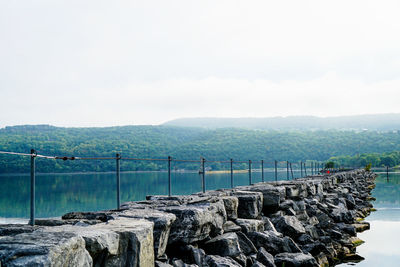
376, 122
180, 143
389, 159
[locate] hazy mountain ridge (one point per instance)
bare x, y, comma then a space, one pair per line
373, 122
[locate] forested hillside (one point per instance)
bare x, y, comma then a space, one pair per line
376, 122
180, 143
389, 159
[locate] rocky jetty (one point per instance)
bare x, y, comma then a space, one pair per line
311, 221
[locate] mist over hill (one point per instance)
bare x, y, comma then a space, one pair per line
374, 122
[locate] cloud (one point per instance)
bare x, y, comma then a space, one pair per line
103, 63
159, 101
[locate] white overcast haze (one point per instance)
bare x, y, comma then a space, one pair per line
103, 63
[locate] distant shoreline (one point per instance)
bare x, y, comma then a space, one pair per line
113, 172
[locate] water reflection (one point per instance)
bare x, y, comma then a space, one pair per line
381, 241
57, 194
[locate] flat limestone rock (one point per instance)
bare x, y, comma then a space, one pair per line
162, 225
196, 222
115, 243
14, 229
41, 248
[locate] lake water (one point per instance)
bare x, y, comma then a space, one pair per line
381, 247
57, 194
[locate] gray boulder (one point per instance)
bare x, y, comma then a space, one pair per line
341, 214
230, 226
218, 261
289, 225
223, 245
196, 222
161, 264
241, 259
250, 204
162, 225
257, 264
273, 243
295, 260
265, 258
42, 248
250, 225
268, 225
180, 263
246, 246
231, 204
272, 196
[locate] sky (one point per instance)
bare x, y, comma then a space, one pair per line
104, 63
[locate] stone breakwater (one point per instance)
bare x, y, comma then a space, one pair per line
306, 222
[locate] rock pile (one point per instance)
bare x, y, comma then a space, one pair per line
306, 222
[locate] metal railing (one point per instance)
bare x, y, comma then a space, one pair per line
314, 168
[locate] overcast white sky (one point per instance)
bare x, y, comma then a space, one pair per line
101, 63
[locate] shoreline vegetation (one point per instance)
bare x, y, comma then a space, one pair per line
185, 143
389, 159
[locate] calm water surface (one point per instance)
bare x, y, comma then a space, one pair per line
381, 247
57, 194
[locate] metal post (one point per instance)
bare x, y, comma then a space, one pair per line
118, 157
33, 156
305, 169
169, 175
291, 170
249, 172
387, 173
231, 173
203, 172
262, 171
312, 168
301, 169
276, 171
287, 170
